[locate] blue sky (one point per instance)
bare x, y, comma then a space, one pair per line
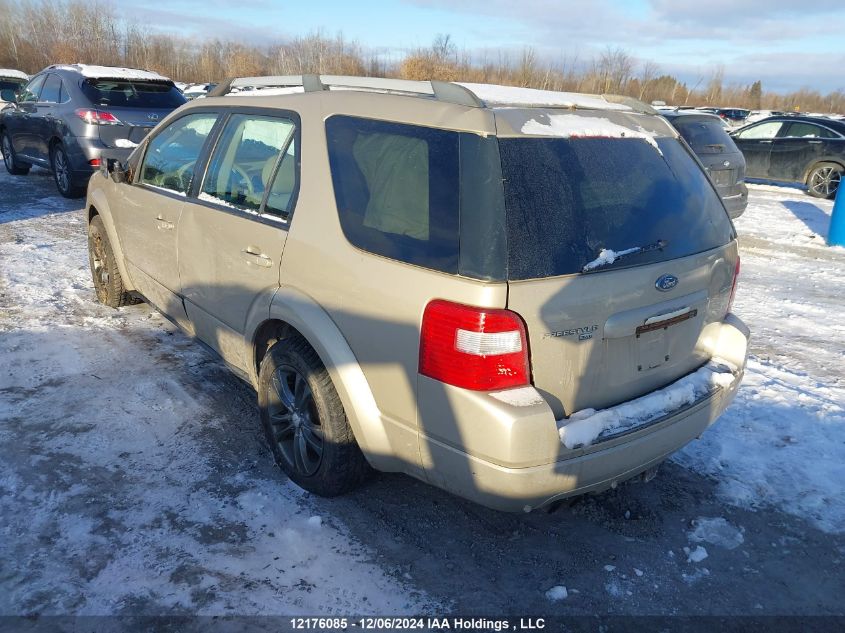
787, 44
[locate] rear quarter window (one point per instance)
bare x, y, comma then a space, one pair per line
397, 189
568, 199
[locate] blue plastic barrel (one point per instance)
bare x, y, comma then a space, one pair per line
836, 232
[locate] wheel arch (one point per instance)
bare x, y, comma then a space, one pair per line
295, 313
97, 205
836, 160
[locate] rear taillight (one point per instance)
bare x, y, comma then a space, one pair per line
94, 162
97, 117
733, 286
482, 349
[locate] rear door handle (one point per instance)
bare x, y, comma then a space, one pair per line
163, 225
814, 142
253, 256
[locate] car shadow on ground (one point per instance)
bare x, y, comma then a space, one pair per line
32, 196
813, 216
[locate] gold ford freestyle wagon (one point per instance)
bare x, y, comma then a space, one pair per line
515, 295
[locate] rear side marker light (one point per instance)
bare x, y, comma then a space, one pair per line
482, 349
94, 162
97, 117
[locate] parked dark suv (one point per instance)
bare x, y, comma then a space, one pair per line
720, 156
67, 115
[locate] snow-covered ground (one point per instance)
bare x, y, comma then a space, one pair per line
134, 478
783, 440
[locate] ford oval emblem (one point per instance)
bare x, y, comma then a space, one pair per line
665, 283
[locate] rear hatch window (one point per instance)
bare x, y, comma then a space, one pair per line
705, 137
121, 93
588, 204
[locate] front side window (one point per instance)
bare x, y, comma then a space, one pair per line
172, 155
762, 131
397, 189
32, 90
245, 162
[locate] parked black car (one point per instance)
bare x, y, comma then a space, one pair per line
734, 116
795, 149
717, 152
66, 116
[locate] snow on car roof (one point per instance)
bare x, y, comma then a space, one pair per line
13, 74
112, 72
511, 95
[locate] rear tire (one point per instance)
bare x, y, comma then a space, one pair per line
108, 284
305, 423
824, 179
13, 165
63, 175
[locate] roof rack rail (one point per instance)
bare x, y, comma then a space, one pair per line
635, 104
440, 90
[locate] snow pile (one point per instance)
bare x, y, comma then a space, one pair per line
578, 126
125, 143
716, 531
8, 73
695, 555
510, 95
583, 427
114, 72
557, 593
607, 257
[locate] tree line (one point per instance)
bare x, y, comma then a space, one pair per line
37, 33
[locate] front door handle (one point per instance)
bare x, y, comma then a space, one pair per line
163, 225
253, 256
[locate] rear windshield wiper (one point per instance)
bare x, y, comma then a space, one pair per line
607, 257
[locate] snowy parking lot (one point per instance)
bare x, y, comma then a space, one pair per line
134, 478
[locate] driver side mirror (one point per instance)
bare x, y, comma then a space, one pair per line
116, 170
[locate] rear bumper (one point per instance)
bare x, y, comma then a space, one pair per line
736, 202
592, 468
80, 151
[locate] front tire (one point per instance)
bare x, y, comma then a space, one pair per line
108, 284
63, 174
13, 166
305, 423
824, 179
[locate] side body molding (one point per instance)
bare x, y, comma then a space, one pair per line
365, 418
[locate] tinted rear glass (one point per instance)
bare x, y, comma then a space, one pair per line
568, 199
132, 94
11, 84
705, 137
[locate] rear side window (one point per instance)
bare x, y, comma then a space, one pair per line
245, 160
397, 189
132, 94
52, 90
808, 130
705, 137
567, 200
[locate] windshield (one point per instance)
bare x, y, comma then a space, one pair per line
132, 94
704, 136
569, 202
